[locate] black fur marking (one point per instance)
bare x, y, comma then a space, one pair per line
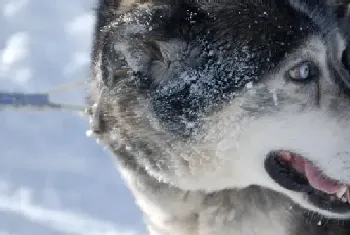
228, 59
234, 44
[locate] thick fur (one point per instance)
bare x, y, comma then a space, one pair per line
191, 96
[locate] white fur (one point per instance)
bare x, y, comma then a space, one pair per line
236, 145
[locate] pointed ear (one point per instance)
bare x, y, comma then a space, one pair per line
342, 8
151, 48
147, 59
107, 11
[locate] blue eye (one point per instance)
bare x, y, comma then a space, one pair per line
303, 71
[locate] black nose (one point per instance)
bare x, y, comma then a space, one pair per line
346, 58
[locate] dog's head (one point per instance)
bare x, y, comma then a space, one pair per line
210, 96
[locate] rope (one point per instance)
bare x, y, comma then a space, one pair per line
65, 87
40, 101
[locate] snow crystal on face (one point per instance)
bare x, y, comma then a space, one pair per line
194, 90
274, 96
249, 85
138, 21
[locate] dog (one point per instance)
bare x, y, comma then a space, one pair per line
227, 117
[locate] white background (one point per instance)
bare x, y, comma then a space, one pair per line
53, 179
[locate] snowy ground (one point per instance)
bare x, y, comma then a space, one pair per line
54, 180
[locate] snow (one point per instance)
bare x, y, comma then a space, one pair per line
53, 179
59, 220
15, 51
249, 85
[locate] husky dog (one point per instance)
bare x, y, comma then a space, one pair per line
227, 117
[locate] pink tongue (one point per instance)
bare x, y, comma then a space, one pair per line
318, 181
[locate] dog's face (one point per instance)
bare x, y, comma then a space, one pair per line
216, 96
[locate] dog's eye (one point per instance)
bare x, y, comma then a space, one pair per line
303, 71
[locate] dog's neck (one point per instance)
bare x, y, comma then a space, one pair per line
249, 211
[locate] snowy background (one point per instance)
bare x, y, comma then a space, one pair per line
53, 179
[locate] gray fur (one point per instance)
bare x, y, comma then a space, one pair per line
190, 147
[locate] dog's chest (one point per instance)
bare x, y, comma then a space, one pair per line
222, 221
233, 214
219, 214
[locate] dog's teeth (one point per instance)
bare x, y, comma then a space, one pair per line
287, 156
341, 192
347, 195
343, 199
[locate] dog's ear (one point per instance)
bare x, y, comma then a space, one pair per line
151, 44
342, 8
141, 55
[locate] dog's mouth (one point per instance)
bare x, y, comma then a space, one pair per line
294, 172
